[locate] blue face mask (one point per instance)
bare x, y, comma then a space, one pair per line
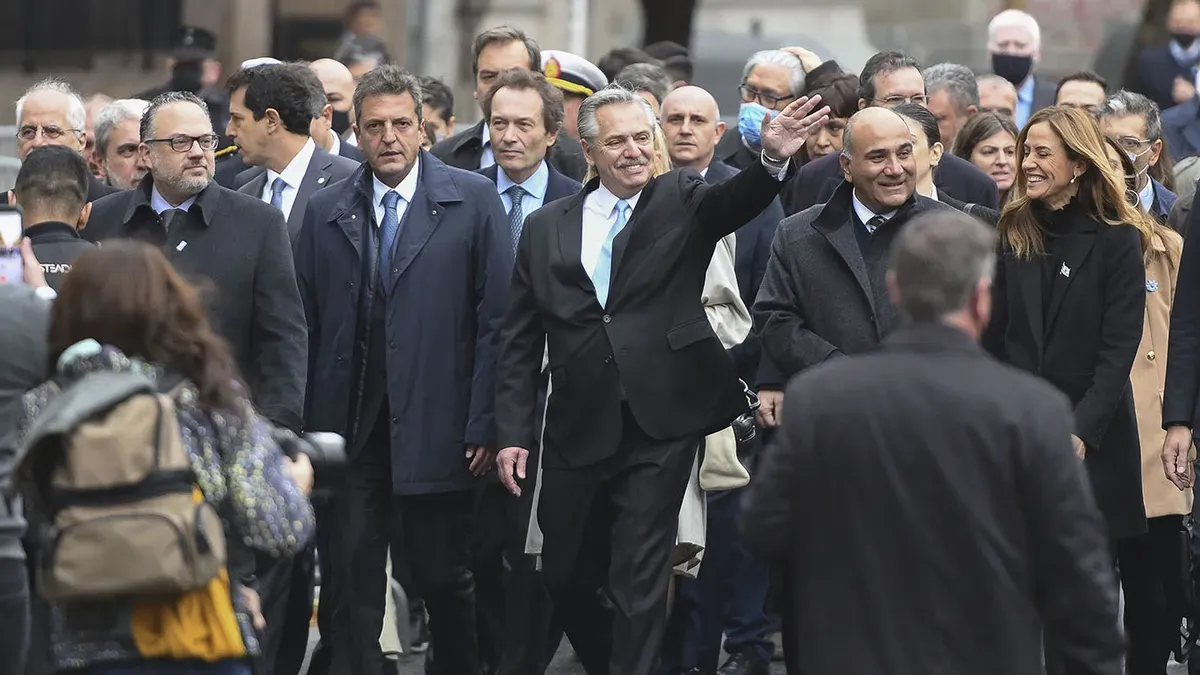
750, 118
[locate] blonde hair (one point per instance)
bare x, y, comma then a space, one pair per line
1101, 189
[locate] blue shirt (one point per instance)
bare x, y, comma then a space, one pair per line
160, 204
1024, 103
535, 189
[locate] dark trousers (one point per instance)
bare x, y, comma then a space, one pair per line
609, 534
285, 590
14, 608
330, 612
728, 597
436, 530
1152, 576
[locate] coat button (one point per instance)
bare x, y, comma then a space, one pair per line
392, 345
607, 319
1150, 355
609, 359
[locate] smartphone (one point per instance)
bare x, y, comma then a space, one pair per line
11, 227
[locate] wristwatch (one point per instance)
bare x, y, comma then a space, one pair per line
45, 292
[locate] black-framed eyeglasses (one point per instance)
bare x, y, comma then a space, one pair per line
750, 95
181, 143
29, 132
893, 101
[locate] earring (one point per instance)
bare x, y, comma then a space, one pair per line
1073, 179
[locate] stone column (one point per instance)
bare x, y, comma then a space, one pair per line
395, 18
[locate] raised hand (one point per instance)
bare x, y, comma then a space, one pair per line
784, 133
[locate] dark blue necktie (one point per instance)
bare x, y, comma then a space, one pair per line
388, 230
516, 215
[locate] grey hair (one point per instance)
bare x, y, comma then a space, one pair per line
613, 94
388, 81
146, 129
112, 115
76, 111
996, 80
1126, 102
955, 79
778, 57
937, 260
646, 77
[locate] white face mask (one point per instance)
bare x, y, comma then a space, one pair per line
1133, 157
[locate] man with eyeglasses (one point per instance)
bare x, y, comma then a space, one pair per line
887, 80
1133, 121
52, 113
238, 242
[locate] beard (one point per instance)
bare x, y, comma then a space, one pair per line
186, 185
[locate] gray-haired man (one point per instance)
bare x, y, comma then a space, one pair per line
1133, 122
953, 97
1010, 524
117, 139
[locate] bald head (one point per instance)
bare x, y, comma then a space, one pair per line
692, 125
877, 159
337, 81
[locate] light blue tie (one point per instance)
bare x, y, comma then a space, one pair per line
277, 193
600, 276
388, 230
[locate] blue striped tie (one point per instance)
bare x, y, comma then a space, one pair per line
600, 276
388, 230
277, 193
516, 214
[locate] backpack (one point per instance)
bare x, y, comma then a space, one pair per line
112, 477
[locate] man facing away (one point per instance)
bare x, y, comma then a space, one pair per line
51, 189
951, 523
609, 284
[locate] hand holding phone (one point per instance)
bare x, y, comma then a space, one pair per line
11, 227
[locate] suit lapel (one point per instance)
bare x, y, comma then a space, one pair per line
570, 243
627, 235
316, 177
416, 227
1078, 246
842, 239
257, 185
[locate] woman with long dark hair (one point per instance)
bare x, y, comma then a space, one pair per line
989, 141
124, 308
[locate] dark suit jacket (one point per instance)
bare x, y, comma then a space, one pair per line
650, 348
324, 170
954, 176
240, 245
1155, 73
751, 254
350, 152
823, 295
1045, 93
464, 150
228, 169
1009, 525
1181, 393
1181, 126
1081, 334
444, 301
732, 151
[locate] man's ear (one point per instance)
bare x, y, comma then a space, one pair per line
12, 198
83, 216
720, 130
845, 162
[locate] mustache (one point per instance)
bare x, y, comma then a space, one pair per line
627, 163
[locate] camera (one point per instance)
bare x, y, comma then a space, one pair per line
745, 427
326, 451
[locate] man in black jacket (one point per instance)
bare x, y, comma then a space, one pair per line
496, 50
610, 283
234, 241
51, 189
927, 495
887, 80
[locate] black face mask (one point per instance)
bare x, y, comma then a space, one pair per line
340, 122
1012, 68
187, 76
1185, 40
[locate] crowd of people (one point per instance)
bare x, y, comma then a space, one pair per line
557, 345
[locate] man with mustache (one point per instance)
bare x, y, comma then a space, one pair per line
608, 284
116, 153
236, 241
824, 292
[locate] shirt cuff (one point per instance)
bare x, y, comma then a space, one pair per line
778, 170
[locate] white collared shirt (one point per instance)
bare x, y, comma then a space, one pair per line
487, 158
352, 139
865, 214
337, 143
1146, 196
599, 216
159, 204
293, 175
406, 189
933, 193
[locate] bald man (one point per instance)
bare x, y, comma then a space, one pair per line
824, 292
337, 116
730, 591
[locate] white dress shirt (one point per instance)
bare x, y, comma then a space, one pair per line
352, 139
406, 189
487, 158
337, 143
293, 175
1146, 196
865, 214
600, 214
159, 204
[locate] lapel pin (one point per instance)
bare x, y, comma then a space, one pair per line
1065, 271
321, 180
1151, 285
433, 212
182, 245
